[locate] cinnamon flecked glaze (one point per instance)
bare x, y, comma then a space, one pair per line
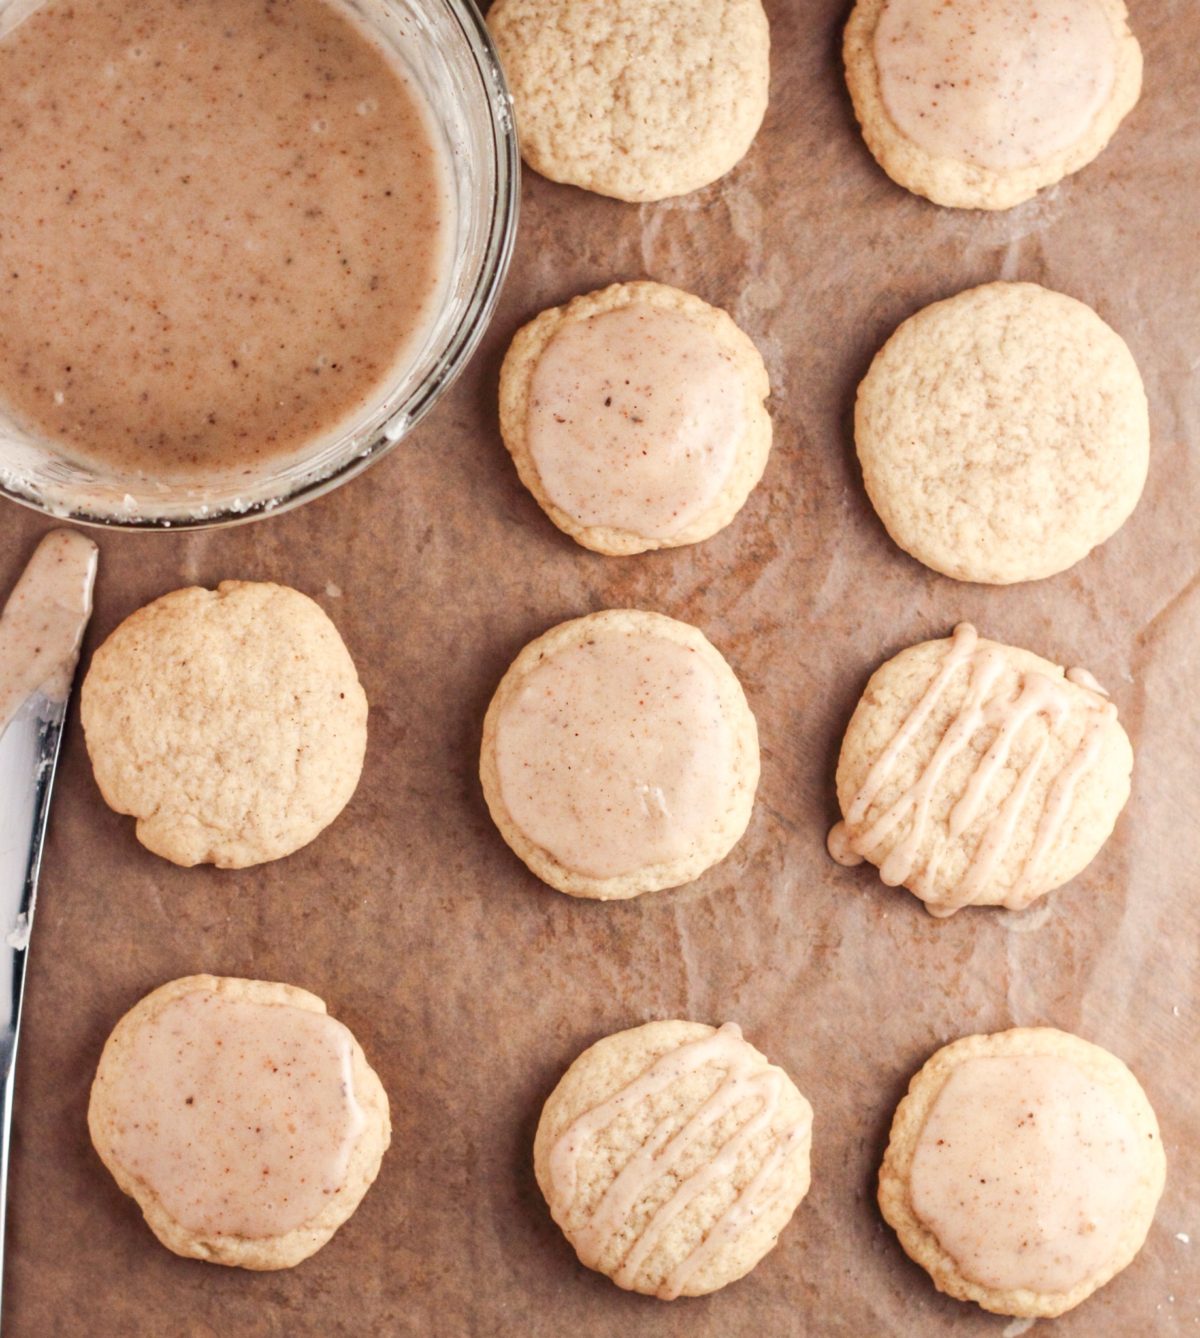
244, 1120
222, 227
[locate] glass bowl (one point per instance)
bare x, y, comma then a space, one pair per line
446, 49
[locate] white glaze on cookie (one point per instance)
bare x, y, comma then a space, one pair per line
1024, 1171
241, 1117
634, 419
44, 620
744, 1078
1004, 84
986, 705
615, 754
1084, 678
840, 846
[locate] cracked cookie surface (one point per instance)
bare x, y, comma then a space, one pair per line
635, 99
1003, 433
230, 723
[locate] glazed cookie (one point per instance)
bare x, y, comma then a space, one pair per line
672, 1156
619, 755
976, 774
1023, 1170
243, 1119
230, 723
979, 104
636, 417
1003, 433
637, 99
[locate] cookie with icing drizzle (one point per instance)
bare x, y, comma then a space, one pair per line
974, 773
672, 1155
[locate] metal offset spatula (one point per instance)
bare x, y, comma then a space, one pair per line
40, 632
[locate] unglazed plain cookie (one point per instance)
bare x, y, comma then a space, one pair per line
636, 417
672, 1156
980, 103
243, 1119
1003, 433
619, 755
1023, 1170
229, 722
637, 99
977, 774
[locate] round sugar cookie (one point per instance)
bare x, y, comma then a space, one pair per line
636, 416
979, 104
977, 774
619, 755
1003, 433
672, 1156
636, 99
243, 1119
229, 722
1023, 1170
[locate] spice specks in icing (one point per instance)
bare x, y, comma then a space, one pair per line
1024, 1172
44, 621
989, 707
634, 419
742, 1083
225, 227
1003, 84
615, 754
240, 1116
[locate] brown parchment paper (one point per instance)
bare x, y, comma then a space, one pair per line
471, 985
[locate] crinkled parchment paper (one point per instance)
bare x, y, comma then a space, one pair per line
470, 985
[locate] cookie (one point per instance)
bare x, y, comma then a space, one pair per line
243, 1119
977, 774
672, 1156
979, 105
636, 417
619, 755
1003, 433
636, 99
230, 723
1023, 1170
